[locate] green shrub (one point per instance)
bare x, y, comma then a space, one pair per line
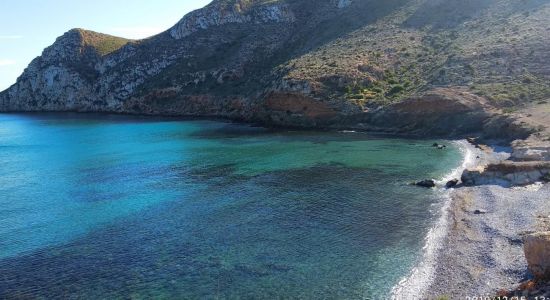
396, 89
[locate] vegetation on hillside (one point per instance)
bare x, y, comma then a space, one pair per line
104, 44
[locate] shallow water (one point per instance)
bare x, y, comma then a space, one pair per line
118, 207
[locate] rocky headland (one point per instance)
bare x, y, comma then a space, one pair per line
430, 68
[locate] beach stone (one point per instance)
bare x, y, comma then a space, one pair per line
452, 183
428, 183
537, 252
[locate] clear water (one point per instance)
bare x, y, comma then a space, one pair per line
117, 207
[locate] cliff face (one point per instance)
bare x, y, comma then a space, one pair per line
394, 65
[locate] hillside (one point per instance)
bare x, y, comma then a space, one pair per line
429, 67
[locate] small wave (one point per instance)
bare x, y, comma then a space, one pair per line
418, 281
348, 131
468, 162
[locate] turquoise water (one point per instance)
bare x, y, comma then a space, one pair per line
123, 207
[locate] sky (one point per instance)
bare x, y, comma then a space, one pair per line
29, 26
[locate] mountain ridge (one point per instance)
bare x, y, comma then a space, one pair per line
303, 63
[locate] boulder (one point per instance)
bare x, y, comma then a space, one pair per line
428, 183
537, 253
452, 183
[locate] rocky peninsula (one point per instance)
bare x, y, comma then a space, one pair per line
429, 68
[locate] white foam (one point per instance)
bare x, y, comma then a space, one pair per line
421, 277
468, 162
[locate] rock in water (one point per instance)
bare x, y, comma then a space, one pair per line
429, 183
537, 253
452, 183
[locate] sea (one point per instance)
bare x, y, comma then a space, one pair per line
124, 207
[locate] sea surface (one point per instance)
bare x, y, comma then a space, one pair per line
95, 207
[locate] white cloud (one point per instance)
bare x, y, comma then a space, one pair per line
10, 37
7, 62
137, 32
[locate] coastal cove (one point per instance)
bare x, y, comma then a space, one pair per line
110, 206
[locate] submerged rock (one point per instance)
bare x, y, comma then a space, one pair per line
428, 183
438, 146
537, 253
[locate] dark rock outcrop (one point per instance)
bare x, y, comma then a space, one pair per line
428, 183
452, 183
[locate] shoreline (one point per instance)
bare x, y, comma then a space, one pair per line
475, 247
378, 132
421, 277
481, 251
465, 254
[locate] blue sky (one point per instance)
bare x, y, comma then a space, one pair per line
29, 26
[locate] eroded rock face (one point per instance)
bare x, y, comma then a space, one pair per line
218, 14
56, 81
507, 174
339, 64
537, 253
443, 111
531, 150
296, 109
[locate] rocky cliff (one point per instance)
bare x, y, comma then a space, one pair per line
403, 66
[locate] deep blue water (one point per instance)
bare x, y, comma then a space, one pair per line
121, 207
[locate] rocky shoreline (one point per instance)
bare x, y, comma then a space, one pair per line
483, 252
